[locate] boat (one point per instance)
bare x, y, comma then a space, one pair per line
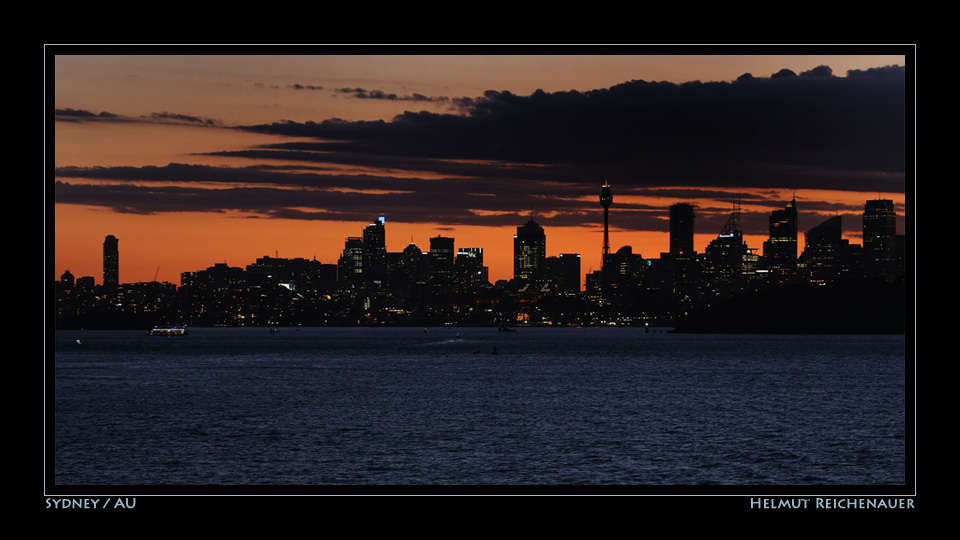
506, 329
168, 331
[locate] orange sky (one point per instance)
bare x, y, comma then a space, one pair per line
231, 91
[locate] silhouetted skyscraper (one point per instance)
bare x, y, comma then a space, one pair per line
823, 254
724, 255
681, 230
414, 268
880, 239
441, 251
622, 272
529, 252
780, 250
375, 236
375, 251
111, 262
471, 273
350, 265
564, 271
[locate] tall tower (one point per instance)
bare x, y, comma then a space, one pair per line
111, 262
606, 199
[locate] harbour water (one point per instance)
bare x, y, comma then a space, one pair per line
475, 407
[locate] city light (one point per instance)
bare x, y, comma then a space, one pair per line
372, 285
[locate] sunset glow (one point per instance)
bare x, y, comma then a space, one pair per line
196, 160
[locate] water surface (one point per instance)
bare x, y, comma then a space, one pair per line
473, 406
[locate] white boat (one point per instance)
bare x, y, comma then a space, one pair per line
168, 331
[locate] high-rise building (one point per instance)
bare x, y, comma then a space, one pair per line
822, 257
111, 262
442, 257
350, 267
375, 251
622, 272
681, 230
409, 269
375, 236
529, 252
564, 271
441, 251
471, 273
724, 256
880, 239
780, 250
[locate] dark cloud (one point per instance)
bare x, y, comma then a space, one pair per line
182, 118
361, 93
504, 153
662, 132
154, 118
79, 113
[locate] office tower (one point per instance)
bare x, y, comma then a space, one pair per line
823, 253
880, 239
441, 251
111, 262
375, 236
529, 252
606, 199
471, 272
350, 265
622, 272
564, 271
724, 255
375, 251
780, 250
441, 261
412, 264
681, 230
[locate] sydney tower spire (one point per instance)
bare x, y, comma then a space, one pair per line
606, 199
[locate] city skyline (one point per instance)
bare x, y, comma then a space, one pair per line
240, 172
370, 285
